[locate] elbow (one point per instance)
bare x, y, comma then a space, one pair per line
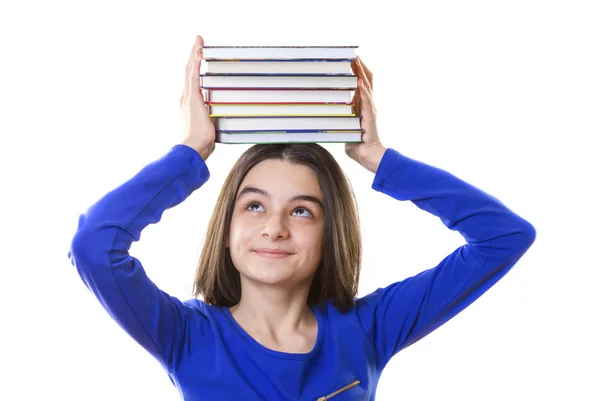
81, 250
512, 244
96, 247
528, 234
532, 233
90, 257
89, 243
80, 242
523, 238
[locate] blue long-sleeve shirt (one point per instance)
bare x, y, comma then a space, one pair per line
208, 356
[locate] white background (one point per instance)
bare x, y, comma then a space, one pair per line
503, 94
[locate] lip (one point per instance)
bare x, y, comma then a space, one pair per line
271, 253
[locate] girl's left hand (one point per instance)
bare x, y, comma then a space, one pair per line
369, 152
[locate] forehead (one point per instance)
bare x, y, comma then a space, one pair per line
276, 175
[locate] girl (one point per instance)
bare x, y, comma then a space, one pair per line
278, 275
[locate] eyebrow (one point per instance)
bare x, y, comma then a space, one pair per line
255, 190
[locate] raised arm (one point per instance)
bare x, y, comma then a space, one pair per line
402, 313
100, 248
100, 251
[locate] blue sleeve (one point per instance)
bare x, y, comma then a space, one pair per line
402, 313
100, 251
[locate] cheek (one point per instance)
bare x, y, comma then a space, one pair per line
312, 240
240, 232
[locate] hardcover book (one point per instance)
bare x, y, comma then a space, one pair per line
280, 52
281, 94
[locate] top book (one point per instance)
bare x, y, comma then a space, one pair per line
280, 52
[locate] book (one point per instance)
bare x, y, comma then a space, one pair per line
253, 95
257, 123
279, 109
281, 94
279, 52
276, 81
288, 137
279, 66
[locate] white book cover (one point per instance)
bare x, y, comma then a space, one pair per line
288, 137
286, 123
281, 66
221, 110
279, 96
279, 52
278, 81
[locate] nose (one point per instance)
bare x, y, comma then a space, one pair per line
275, 227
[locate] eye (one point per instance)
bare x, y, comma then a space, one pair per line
303, 212
254, 207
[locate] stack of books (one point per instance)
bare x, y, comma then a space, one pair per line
281, 94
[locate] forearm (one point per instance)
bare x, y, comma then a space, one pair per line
478, 216
142, 200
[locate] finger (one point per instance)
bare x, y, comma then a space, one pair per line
355, 68
196, 96
197, 47
367, 71
354, 65
200, 42
356, 97
194, 78
188, 65
363, 74
356, 102
367, 105
200, 56
195, 92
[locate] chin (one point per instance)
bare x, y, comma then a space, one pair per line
270, 270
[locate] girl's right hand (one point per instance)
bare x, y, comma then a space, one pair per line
199, 130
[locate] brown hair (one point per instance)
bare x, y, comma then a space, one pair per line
336, 278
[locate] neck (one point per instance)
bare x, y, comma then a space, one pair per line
273, 310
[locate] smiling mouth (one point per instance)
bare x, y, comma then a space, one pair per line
271, 254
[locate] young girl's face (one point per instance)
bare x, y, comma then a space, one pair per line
277, 226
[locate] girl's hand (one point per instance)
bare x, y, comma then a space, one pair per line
199, 130
369, 152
